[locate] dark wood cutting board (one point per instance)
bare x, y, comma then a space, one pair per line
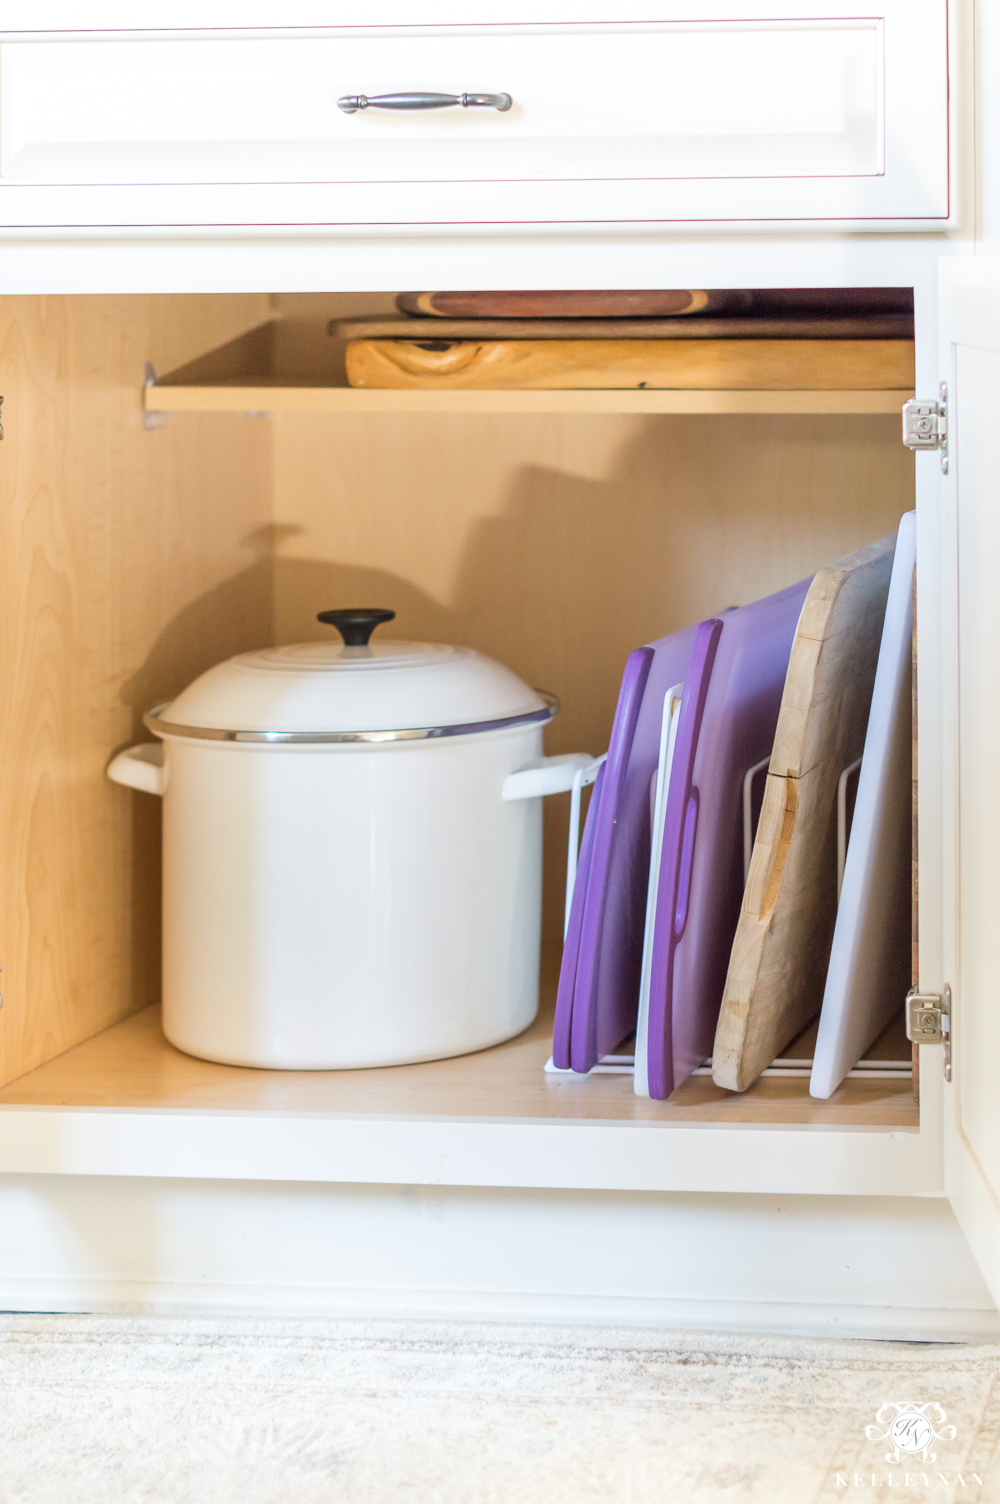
639, 303
567, 303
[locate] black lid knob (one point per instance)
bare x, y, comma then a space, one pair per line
356, 624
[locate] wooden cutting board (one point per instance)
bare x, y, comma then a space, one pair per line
777, 967
574, 304
709, 364
715, 326
636, 303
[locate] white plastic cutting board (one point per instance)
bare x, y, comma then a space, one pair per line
869, 972
668, 737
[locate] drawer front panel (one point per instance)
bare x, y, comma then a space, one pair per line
707, 120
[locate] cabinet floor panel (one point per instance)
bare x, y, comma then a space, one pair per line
131, 1065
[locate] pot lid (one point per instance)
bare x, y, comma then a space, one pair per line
353, 689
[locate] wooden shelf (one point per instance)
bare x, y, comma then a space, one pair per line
127, 1103
272, 395
132, 1065
294, 366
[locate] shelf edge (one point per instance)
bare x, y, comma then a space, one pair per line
269, 399
406, 1151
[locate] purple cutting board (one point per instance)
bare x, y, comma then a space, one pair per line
728, 716
608, 958
571, 944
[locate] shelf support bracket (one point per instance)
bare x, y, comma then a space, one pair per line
151, 420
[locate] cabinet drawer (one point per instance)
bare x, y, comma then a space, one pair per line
843, 119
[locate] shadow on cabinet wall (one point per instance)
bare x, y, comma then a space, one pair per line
233, 616
559, 543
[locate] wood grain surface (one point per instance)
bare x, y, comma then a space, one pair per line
718, 326
770, 364
637, 302
778, 964
132, 1065
125, 569
572, 303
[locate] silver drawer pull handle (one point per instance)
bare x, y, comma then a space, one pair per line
351, 103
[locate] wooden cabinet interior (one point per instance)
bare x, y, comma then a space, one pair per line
131, 1065
135, 558
291, 364
128, 561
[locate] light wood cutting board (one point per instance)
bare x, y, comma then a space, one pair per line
716, 326
704, 364
777, 968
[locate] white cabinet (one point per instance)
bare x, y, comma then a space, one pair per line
723, 118
696, 114
970, 364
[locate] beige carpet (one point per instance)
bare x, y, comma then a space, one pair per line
241, 1411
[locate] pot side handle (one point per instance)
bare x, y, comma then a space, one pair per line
545, 775
140, 768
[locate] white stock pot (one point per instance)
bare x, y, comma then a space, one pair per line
352, 842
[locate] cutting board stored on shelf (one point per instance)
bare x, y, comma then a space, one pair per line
808, 324
765, 364
642, 303
602, 959
729, 711
870, 959
574, 303
779, 958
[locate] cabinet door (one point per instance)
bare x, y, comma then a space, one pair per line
692, 117
970, 313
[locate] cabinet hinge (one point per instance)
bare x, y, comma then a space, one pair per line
928, 1021
925, 424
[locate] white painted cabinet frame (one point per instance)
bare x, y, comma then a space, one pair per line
684, 115
970, 365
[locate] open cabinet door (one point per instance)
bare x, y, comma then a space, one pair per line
970, 347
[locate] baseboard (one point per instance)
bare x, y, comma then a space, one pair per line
887, 1323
